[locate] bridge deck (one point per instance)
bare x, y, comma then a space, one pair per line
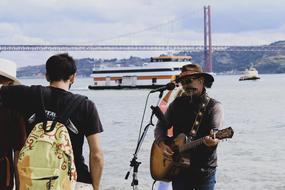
192, 48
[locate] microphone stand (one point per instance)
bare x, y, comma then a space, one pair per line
134, 163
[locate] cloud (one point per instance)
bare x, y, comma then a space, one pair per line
252, 37
139, 22
65, 20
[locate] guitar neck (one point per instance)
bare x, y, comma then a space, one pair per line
220, 134
191, 145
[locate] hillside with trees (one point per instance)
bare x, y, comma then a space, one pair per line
223, 62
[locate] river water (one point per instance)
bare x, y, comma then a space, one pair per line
253, 159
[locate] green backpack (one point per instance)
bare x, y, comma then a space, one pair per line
46, 161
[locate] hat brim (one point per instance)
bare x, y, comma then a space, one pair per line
15, 81
208, 77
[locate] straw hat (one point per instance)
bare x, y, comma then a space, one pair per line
8, 70
195, 70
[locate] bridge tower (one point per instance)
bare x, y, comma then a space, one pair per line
207, 40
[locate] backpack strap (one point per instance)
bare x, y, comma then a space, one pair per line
76, 100
40, 114
63, 116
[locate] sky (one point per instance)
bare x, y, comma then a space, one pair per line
136, 22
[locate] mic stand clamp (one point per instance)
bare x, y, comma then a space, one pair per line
136, 165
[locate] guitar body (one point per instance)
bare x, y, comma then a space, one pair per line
165, 170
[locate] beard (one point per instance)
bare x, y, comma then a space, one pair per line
190, 91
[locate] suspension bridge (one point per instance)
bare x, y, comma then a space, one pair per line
207, 48
190, 48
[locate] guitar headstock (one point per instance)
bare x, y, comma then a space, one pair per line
224, 133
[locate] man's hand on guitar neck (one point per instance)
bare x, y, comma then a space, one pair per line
210, 141
166, 150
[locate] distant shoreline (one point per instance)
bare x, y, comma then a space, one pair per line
217, 74
43, 77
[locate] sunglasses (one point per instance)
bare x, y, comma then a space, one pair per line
188, 80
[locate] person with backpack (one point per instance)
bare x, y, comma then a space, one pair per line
53, 112
12, 135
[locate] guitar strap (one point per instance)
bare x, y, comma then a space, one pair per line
199, 117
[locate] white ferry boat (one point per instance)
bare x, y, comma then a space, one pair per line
250, 74
158, 72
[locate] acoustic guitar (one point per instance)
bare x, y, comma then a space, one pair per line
165, 170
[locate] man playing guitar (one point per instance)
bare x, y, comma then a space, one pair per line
194, 115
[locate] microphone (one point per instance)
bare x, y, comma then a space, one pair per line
160, 116
168, 86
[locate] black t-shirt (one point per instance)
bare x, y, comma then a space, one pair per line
85, 117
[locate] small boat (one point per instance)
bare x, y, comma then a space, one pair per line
250, 74
154, 74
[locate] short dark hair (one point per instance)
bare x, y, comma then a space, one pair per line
60, 67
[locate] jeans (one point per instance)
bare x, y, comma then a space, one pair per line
163, 185
193, 182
